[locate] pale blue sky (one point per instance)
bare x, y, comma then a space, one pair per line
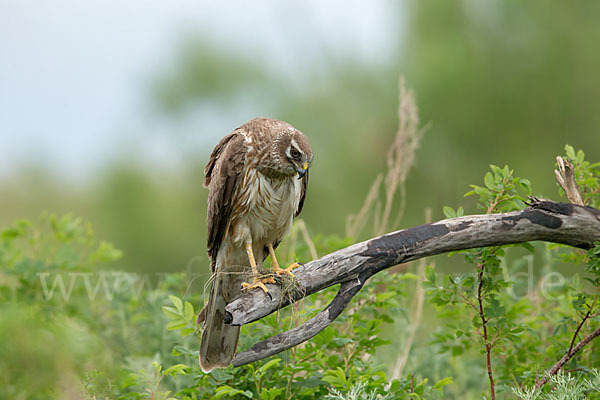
74, 74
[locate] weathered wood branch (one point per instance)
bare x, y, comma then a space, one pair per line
565, 175
302, 333
569, 224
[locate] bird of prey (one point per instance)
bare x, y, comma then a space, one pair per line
257, 178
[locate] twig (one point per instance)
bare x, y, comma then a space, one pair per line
570, 353
585, 318
488, 345
569, 224
567, 357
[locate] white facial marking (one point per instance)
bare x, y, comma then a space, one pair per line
295, 146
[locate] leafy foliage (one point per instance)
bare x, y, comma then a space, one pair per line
513, 329
566, 386
96, 333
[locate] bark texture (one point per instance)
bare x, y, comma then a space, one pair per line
569, 224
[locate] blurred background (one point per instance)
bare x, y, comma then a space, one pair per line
110, 109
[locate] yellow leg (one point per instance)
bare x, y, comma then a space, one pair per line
257, 282
276, 268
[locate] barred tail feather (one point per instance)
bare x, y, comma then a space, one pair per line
219, 340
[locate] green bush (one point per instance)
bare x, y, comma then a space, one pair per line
72, 328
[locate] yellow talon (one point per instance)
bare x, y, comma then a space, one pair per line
278, 270
286, 271
258, 283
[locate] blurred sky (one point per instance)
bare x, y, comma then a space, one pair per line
74, 75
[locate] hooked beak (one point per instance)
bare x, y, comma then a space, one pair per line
302, 171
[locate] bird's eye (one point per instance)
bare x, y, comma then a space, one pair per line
295, 153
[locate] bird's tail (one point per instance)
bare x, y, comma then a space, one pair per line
219, 340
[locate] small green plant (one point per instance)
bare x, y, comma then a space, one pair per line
565, 386
182, 316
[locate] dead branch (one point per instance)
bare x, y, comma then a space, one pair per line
569, 224
565, 175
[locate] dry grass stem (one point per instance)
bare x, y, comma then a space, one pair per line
311, 246
354, 223
400, 159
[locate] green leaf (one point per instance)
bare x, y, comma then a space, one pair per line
570, 152
336, 377
430, 275
489, 180
449, 212
228, 390
187, 331
176, 325
171, 312
178, 369
446, 381
497, 171
271, 363
576, 281
177, 303
189, 311
342, 341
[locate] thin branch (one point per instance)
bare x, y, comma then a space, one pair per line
486, 341
569, 224
571, 352
567, 357
307, 330
583, 320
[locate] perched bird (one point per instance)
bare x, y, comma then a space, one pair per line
257, 178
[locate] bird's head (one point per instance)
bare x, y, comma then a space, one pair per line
290, 152
294, 153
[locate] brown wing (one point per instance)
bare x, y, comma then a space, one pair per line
223, 176
303, 194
